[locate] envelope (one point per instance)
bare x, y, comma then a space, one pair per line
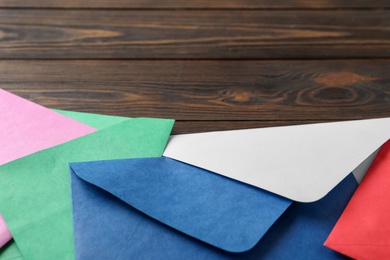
38, 207
302, 163
363, 230
5, 235
159, 208
25, 128
11, 251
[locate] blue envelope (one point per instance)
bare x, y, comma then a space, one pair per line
159, 208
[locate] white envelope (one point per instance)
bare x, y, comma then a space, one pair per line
302, 163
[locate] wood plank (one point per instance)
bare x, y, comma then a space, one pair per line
201, 4
188, 127
199, 34
320, 90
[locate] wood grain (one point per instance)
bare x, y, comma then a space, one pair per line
208, 95
201, 4
188, 127
193, 34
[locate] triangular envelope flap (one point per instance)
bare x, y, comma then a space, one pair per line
27, 127
302, 163
225, 213
363, 230
105, 227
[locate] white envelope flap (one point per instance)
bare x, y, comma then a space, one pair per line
302, 163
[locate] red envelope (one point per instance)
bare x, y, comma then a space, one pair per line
363, 230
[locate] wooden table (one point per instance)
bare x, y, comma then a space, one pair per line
209, 64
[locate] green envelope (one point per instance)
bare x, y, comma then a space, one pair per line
37, 203
11, 251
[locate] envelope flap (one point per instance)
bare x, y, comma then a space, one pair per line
27, 127
363, 230
222, 212
302, 163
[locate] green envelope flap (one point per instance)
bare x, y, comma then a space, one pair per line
38, 207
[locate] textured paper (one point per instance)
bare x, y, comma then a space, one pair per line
26, 127
363, 230
43, 179
11, 251
5, 235
302, 163
224, 213
106, 227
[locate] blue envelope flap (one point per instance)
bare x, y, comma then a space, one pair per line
214, 209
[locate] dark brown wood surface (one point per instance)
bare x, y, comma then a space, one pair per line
198, 4
236, 94
194, 34
211, 65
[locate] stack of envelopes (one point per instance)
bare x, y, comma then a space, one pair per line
85, 186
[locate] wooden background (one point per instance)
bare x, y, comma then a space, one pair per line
209, 64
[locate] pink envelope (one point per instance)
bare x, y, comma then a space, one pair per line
5, 235
26, 128
363, 230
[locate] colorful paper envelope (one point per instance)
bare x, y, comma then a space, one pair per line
25, 128
363, 230
302, 163
38, 207
5, 235
11, 251
299, 231
159, 208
